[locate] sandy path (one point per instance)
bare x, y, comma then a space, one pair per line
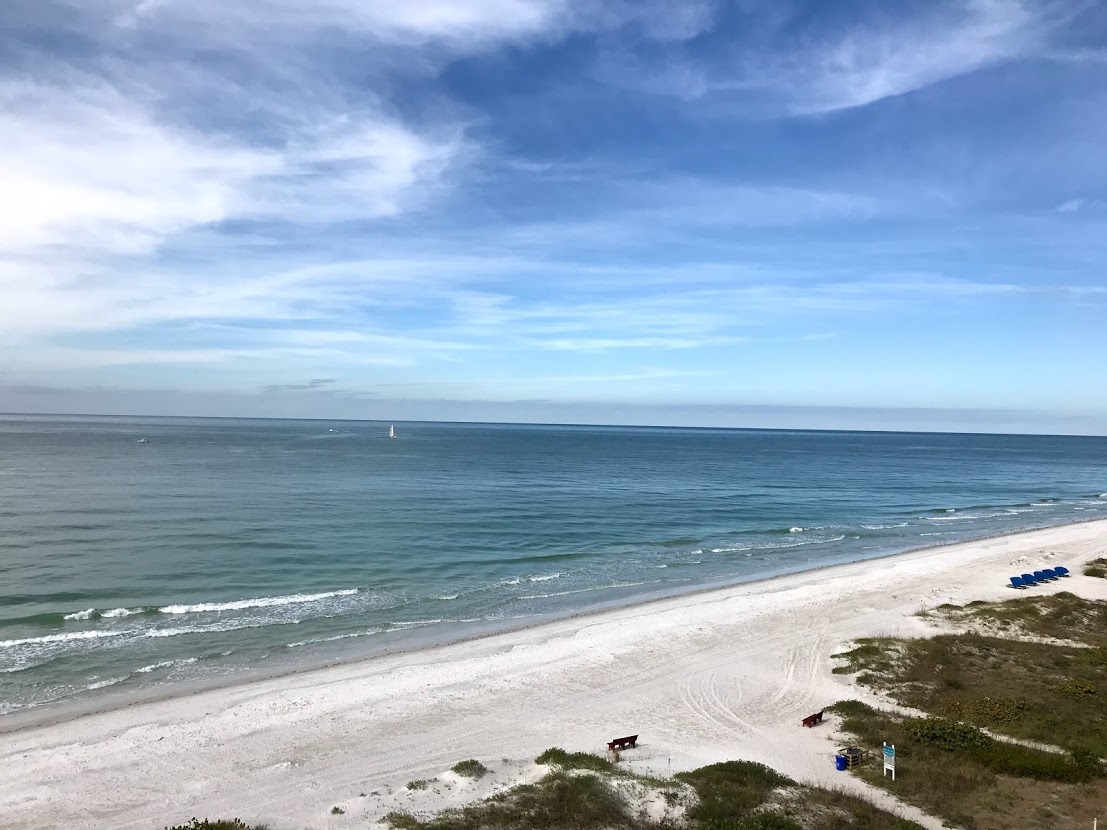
710, 677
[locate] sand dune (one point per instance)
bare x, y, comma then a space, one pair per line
713, 676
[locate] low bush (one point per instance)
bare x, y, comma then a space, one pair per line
1097, 567
417, 784
947, 735
729, 789
219, 824
1078, 688
560, 801
993, 711
472, 768
558, 757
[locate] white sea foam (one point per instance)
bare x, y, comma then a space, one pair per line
19, 668
796, 529
446, 597
594, 588
258, 602
415, 623
214, 629
331, 639
884, 527
100, 684
60, 638
544, 578
165, 664
92, 613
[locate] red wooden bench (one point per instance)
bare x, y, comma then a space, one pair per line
623, 743
811, 720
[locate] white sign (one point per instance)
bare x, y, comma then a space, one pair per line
890, 759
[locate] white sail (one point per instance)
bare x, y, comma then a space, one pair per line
392, 431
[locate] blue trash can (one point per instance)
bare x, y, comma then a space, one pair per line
840, 762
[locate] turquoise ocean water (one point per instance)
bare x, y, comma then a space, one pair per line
218, 547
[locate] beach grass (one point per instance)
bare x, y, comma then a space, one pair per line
735, 795
1097, 568
1036, 691
957, 772
1060, 617
558, 757
1032, 669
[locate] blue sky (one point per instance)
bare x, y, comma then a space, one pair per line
859, 214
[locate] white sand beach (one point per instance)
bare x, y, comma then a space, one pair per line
718, 675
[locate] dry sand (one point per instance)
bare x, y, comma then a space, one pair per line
714, 676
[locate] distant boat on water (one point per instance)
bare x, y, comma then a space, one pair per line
144, 440
391, 430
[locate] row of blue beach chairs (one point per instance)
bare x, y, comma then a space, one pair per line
1045, 575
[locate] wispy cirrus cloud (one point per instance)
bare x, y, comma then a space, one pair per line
868, 56
879, 59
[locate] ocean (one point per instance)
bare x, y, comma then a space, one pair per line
216, 548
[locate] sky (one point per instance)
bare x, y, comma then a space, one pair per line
861, 215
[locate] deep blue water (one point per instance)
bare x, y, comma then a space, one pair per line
221, 546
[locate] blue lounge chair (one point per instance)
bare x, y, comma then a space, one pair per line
1017, 582
1042, 576
1061, 570
1029, 579
1051, 573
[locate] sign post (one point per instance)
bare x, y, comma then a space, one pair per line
890, 759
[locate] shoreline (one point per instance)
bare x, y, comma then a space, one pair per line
720, 675
54, 714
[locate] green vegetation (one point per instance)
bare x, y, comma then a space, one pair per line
1033, 691
1031, 668
1062, 616
730, 788
472, 768
557, 757
584, 792
560, 800
957, 772
417, 784
1097, 567
337, 811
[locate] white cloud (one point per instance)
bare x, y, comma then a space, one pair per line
1071, 206
877, 57
89, 167
874, 62
421, 20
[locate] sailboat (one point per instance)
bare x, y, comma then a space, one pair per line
391, 430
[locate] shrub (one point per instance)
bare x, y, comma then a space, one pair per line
948, 735
992, 711
1078, 688
1097, 567
730, 789
402, 821
558, 757
219, 824
337, 811
472, 768
417, 784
